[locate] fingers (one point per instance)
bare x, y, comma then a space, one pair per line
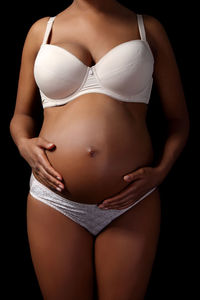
43, 143
50, 180
126, 205
114, 205
54, 182
43, 160
123, 199
33, 151
126, 202
135, 175
130, 190
44, 169
49, 174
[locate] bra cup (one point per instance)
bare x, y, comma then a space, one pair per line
124, 73
58, 74
130, 75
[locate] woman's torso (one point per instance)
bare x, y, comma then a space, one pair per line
98, 139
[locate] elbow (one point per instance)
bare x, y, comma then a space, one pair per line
180, 126
12, 128
11, 125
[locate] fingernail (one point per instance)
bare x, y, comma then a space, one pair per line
58, 189
51, 146
61, 186
59, 178
101, 206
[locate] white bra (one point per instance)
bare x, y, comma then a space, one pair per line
124, 72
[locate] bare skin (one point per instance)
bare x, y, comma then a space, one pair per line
120, 257
66, 271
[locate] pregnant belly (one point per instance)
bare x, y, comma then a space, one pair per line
96, 145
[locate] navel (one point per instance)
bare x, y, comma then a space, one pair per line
92, 151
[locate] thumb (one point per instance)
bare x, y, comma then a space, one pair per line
133, 176
46, 144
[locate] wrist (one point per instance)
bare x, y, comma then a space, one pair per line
21, 142
161, 173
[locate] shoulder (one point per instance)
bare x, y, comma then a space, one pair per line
153, 25
37, 30
155, 32
35, 36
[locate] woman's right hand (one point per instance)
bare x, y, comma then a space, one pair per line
33, 151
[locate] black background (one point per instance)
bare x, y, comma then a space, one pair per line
173, 272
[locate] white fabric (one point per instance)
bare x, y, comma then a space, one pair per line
124, 72
141, 27
89, 216
48, 30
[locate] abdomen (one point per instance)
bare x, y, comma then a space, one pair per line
97, 143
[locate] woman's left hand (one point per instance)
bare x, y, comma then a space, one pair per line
143, 180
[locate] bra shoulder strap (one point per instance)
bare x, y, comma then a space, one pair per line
48, 29
141, 27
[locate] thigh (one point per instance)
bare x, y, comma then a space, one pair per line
125, 251
62, 253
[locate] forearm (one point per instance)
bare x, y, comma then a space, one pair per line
178, 132
21, 127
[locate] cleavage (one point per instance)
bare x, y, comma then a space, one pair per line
79, 51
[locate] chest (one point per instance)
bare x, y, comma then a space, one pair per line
91, 40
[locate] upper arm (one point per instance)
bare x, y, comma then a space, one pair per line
166, 73
27, 92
